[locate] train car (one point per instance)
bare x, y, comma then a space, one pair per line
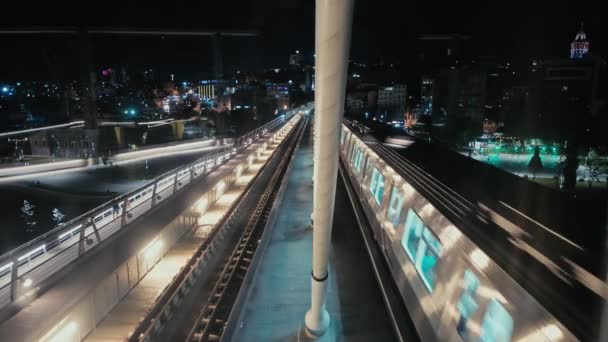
453, 289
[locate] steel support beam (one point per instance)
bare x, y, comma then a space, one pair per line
95, 230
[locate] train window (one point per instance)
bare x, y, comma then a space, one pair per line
497, 324
98, 218
353, 157
467, 303
423, 247
429, 251
412, 234
359, 160
376, 185
432, 240
394, 207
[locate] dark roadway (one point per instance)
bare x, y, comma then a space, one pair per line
73, 193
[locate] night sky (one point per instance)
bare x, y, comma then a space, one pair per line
515, 30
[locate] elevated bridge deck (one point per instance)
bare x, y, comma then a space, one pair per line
273, 303
85, 291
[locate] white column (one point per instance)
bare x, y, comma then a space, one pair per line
332, 45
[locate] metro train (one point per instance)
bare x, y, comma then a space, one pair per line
452, 289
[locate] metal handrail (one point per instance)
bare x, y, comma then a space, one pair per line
10, 259
166, 298
55, 230
412, 168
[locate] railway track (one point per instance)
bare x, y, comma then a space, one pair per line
170, 318
213, 317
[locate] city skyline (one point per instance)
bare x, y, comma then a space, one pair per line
385, 31
370, 170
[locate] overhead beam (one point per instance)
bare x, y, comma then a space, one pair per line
125, 31
39, 129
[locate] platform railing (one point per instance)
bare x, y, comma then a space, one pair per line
26, 267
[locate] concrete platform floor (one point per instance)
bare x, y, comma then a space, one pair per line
279, 294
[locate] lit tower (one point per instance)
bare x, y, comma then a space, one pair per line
580, 45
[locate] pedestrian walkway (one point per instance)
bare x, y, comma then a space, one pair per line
279, 295
123, 319
29, 160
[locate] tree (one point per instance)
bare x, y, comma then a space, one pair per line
535, 163
592, 163
57, 216
570, 166
27, 213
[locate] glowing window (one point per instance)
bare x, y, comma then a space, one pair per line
376, 185
423, 248
412, 234
394, 206
358, 160
467, 303
497, 324
353, 157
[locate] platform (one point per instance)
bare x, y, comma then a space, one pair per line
279, 295
123, 319
78, 280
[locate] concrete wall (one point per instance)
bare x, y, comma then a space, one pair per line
94, 307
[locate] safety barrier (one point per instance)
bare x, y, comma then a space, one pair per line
169, 301
23, 269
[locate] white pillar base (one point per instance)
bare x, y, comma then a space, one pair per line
317, 326
305, 336
317, 318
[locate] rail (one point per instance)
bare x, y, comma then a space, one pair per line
26, 267
170, 297
211, 321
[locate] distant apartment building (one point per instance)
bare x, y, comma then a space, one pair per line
567, 96
460, 91
280, 93
391, 102
356, 102
296, 58
426, 96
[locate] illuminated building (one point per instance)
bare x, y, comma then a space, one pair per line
580, 45
283, 102
426, 96
206, 90
277, 89
391, 102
